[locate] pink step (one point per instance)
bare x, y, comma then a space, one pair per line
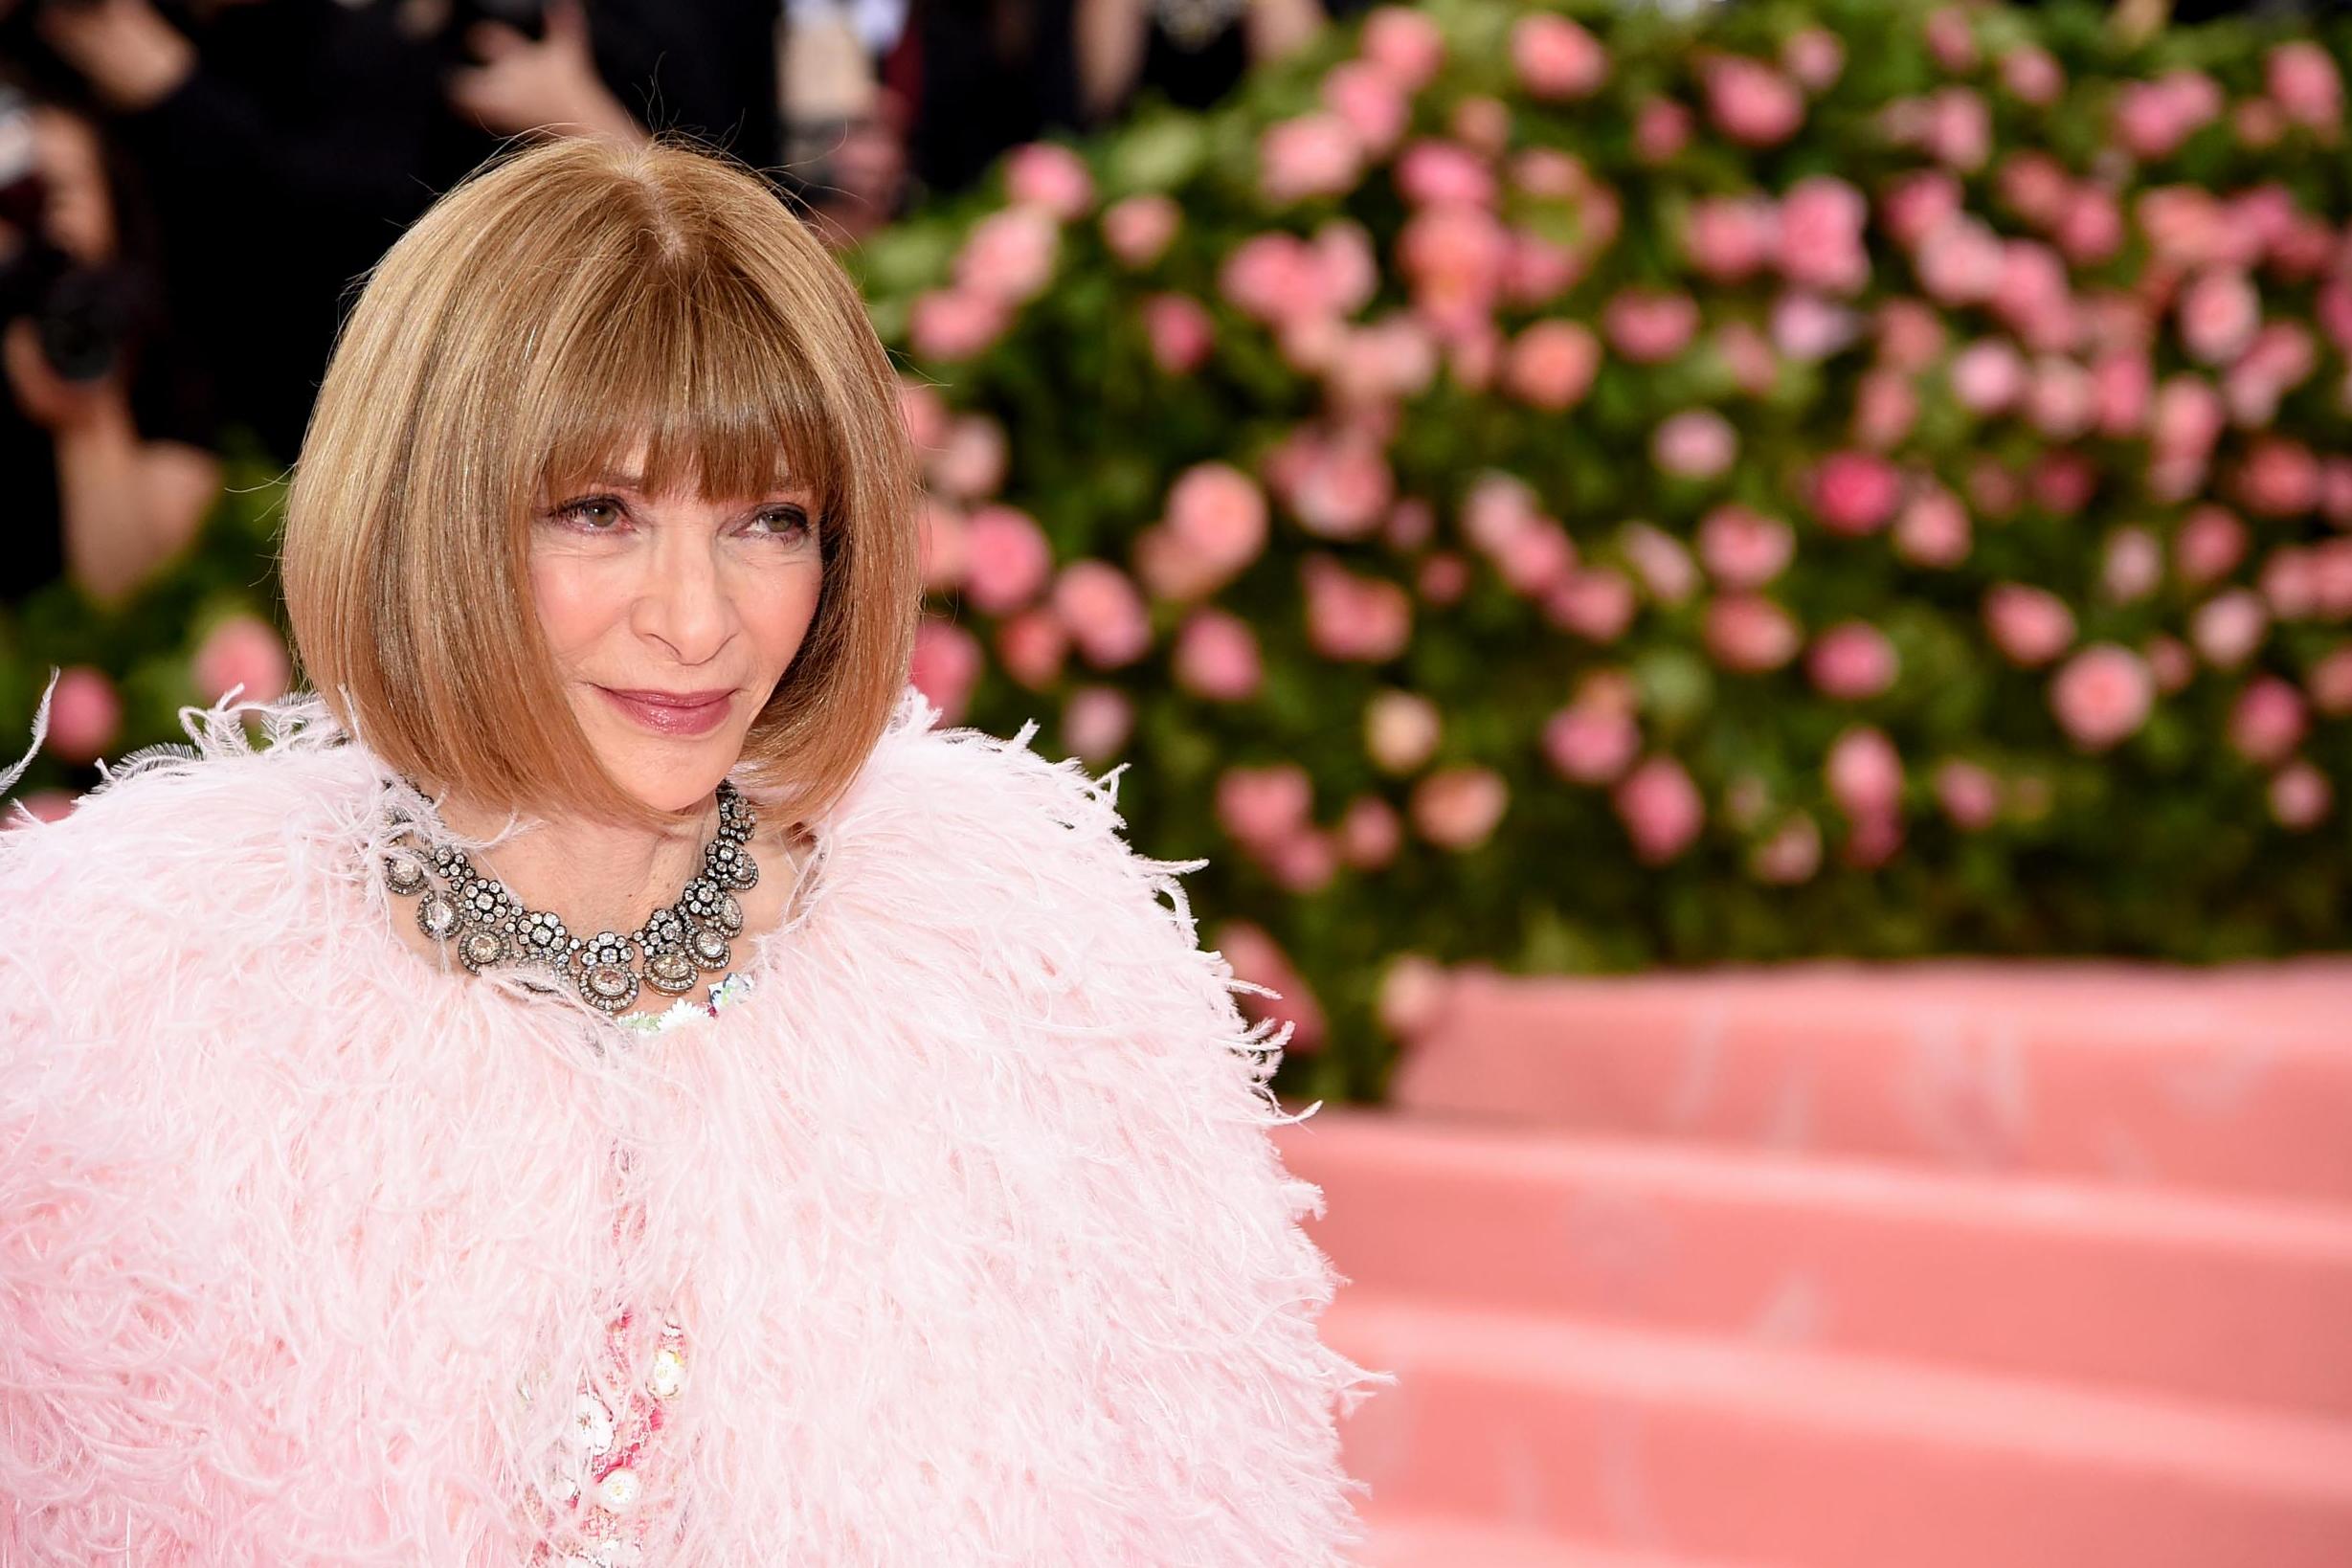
1434, 1541
2224, 1299
2238, 1079
1678, 1444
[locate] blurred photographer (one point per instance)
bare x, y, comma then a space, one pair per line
108, 425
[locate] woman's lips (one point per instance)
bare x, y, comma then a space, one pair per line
673, 712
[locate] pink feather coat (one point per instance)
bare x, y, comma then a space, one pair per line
968, 1210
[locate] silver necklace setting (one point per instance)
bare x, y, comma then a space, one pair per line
461, 908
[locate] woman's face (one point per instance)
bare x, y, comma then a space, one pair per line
672, 617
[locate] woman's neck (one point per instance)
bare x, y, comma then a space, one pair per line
593, 875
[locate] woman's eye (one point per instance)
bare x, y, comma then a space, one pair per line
592, 515
786, 521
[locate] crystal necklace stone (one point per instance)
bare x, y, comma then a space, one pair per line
488, 926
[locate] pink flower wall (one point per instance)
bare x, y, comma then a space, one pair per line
1581, 489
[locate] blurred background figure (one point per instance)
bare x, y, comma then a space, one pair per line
105, 432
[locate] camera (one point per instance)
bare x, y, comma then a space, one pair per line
85, 316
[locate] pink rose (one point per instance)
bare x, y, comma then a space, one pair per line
2030, 625
1404, 44
1139, 229
1885, 410
925, 414
1009, 256
1440, 173
1750, 634
1589, 743
945, 666
1933, 529
2331, 680
1400, 731
1751, 102
2300, 797
1970, 795
1808, 328
2033, 75
1444, 578
1180, 333
1960, 261
1919, 204
1987, 376
947, 325
2229, 626
1312, 155
1661, 130
2210, 544
2059, 399
2064, 480
1256, 958
1660, 809
1744, 549
1370, 103
1337, 488
2102, 695
2303, 80
1958, 132
2336, 491
245, 651
1864, 773
1659, 559
2170, 661
1006, 559
1952, 40
1483, 125
2291, 582
1598, 606
970, 463
1048, 175
1556, 59
1032, 647
2090, 230
2123, 384
1648, 327
1459, 808
1820, 235
1216, 658
1537, 271
1551, 365
2034, 297
1911, 335
2134, 566
84, 714
1354, 617
1455, 258
1273, 276
2281, 358
2220, 312
1729, 237
942, 545
1790, 856
1749, 356
1370, 832
1096, 721
1534, 559
1258, 806
1851, 660
1415, 993
1219, 514
2036, 187
1855, 492
1305, 861
2278, 479
1102, 612
2267, 722
1815, 57
1695, 445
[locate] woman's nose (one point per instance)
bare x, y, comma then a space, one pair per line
683, 602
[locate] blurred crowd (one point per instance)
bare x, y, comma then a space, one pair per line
189, 188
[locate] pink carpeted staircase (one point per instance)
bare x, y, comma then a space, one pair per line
1952, 1265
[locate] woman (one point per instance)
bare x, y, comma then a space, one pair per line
612, 1082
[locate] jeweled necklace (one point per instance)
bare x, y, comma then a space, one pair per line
487, 925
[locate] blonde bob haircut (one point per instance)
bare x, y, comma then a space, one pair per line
555, 307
